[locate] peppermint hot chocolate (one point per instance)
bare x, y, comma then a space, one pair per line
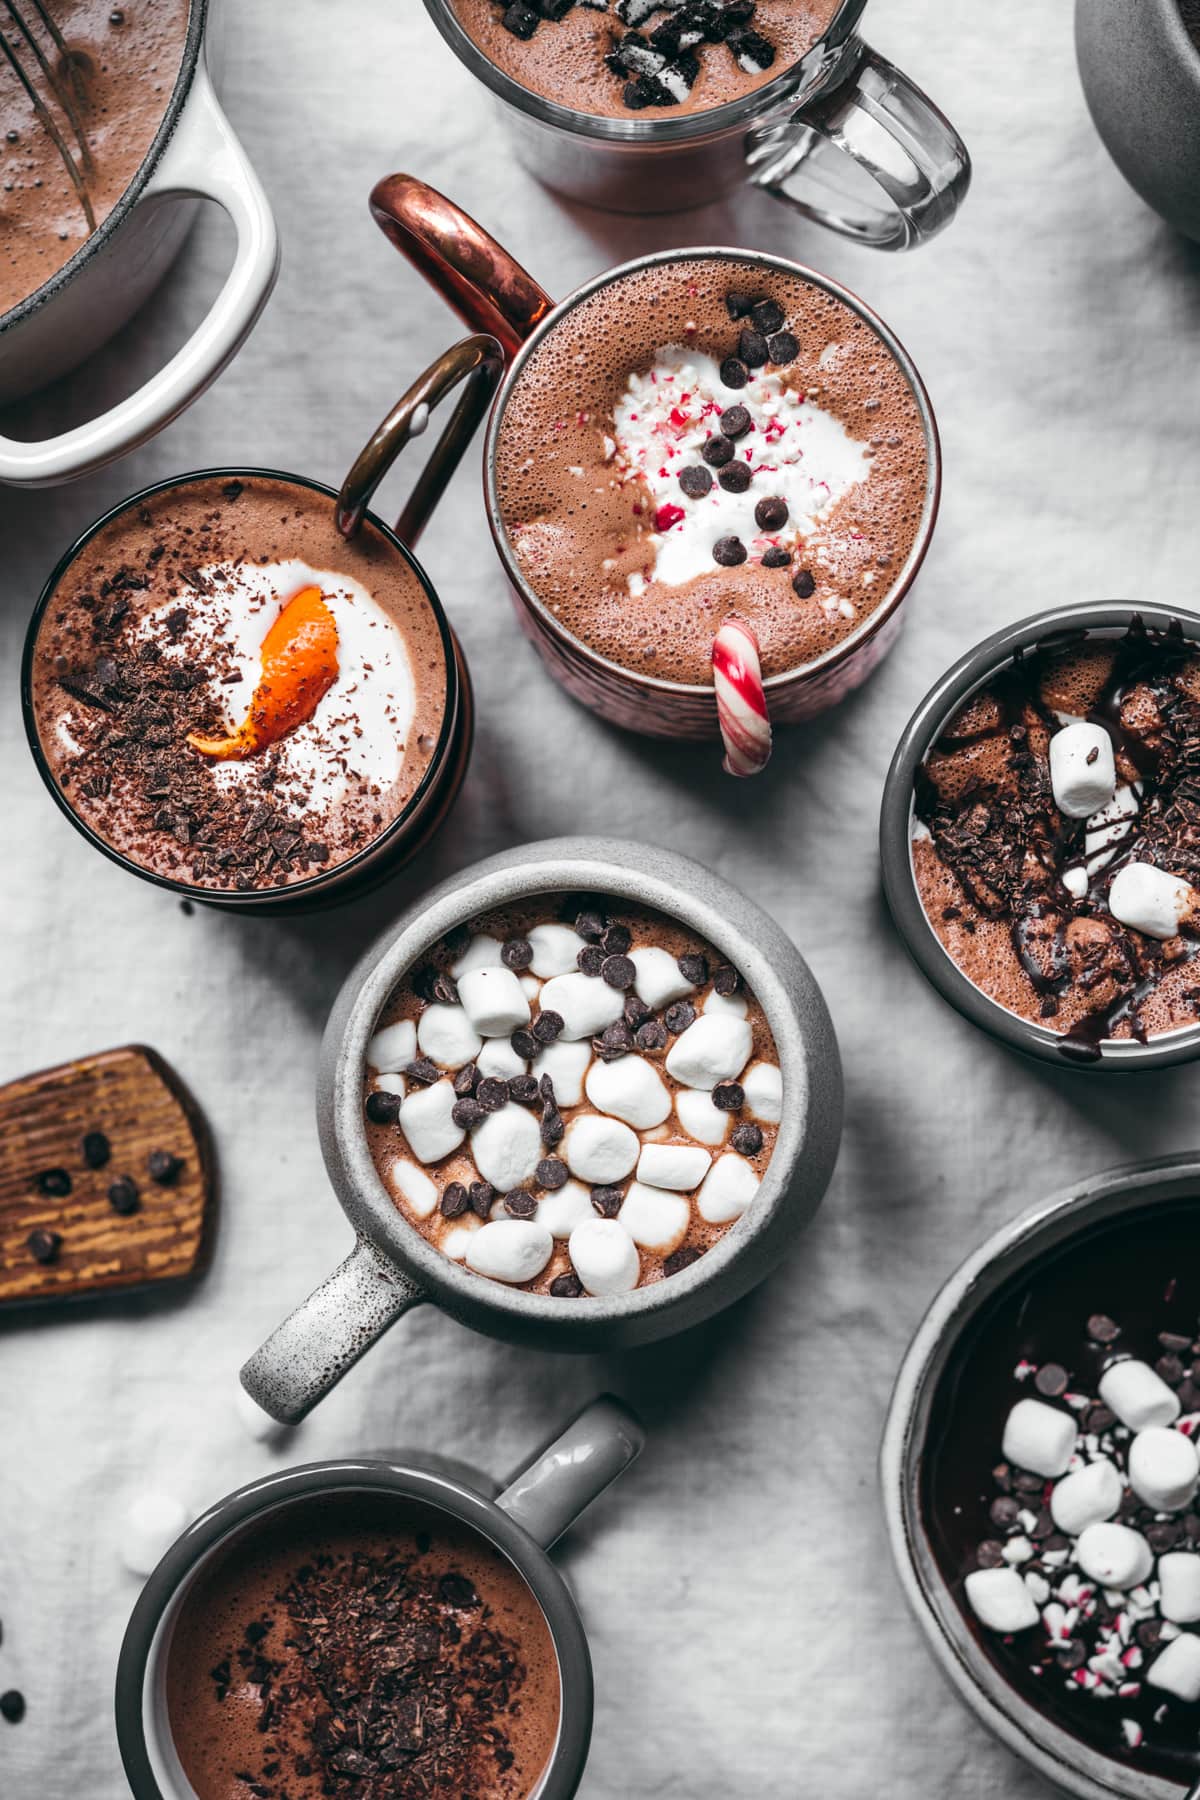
573, 1096
229, 693
706, 436
361, 1647
656, 57
83, 90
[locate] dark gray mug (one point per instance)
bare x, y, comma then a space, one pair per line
1141, 77
393, 1268
521, 1522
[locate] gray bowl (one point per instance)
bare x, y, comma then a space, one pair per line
393, 1268
1056, 1754
1106, 617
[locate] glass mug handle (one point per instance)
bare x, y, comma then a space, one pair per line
869, 155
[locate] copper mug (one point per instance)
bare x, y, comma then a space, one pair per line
496, 296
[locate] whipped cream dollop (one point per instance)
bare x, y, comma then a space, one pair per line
359, 729
795, 449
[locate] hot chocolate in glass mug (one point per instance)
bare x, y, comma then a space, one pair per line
701, 437
674, 104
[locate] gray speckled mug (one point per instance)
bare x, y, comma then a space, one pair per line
1141, 77
393, 1268
521, 1523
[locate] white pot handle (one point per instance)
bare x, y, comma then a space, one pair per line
205, 161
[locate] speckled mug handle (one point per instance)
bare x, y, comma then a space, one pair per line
306, 1356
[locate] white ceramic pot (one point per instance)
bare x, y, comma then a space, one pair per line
194, 156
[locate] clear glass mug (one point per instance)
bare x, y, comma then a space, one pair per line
842, 136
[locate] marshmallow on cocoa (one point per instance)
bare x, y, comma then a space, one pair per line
630, 1089
426, 1119
715, 1048
599, 1150
1176, 1670
1083, 771
493, 1001
1088, 1497
585, 1004
507, 1147
1039, 1438
658, 979
680, 1167
1179, 1587
447, 1037
1164, 1469
1138, 1396
512, 1250
1001, 1601
391, 1050
1149, 900
604, 1256
1116, 1556
654, 1218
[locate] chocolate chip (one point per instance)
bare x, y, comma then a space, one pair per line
468, 1112
1164, 1534
738, 305
552, 1174
752, 348
1051, 1380
735, 421
524, 1042
726, 980
383, 1108
718, 451
1025, 1483
1043, 1524
693, 968
679, 1260
1174, 1342
455, 1200
423, 1072
552, 1125
608, 1201
44, 1246
521, 20
548, 1027
457, 1591
491, 1094
636, 1012
517, 954
804, 585
614, 1042
466, 1080
482, 1196
747, 1140
1102, 1330
729, 552
1004, 1512
783, 347
520, 1205
734, 374
776, 557
566, 1287
695, 481
123, 1195
590, 926
164, 1167
728, 1096
736, 477
1098, 1420
445, 990
96, 1149
990, 1555
771, 514
12, 1706
523, 1089
590, 959
678, 1017
652, 1035
618, 972
616, 940
768, 316
1072, 1656
1149, 1633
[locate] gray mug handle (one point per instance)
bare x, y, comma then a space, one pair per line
306, 1356
561, 1482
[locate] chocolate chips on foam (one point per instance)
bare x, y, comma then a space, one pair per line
1096, 1543
573, 1105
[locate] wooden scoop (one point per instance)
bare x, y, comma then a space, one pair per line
71, 1134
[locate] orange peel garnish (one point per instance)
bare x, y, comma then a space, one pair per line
299, 666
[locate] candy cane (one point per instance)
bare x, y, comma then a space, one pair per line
741, 702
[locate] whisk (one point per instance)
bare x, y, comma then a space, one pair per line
18, 44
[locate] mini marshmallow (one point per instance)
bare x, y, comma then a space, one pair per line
456, 1242
498, 1058
482, 952
1088, 1497
715, 1048
413, 1185
1148, 899
566, 1065
531, 987
390, 1084
1177, 1670
736, 1004
447, 1037
393, 1048
493, 1001
655, 1219
700, 1118
1164, 1469
1076, 882
1001, 1601
1039, 1438
1138, 1396
728, 1189
151, 1524
680, 1167
658, 980
555, 950
599, 1151
604, 1256
563, 1209
510, 1249
1179, 1587
585, 1004
507, 1148
630, 1089
763, 1087
425, 1120
1115, 1556
1083, 772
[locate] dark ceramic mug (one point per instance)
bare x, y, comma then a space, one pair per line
392, 1268
520, 1523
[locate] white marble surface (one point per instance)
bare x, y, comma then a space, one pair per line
749, 1638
